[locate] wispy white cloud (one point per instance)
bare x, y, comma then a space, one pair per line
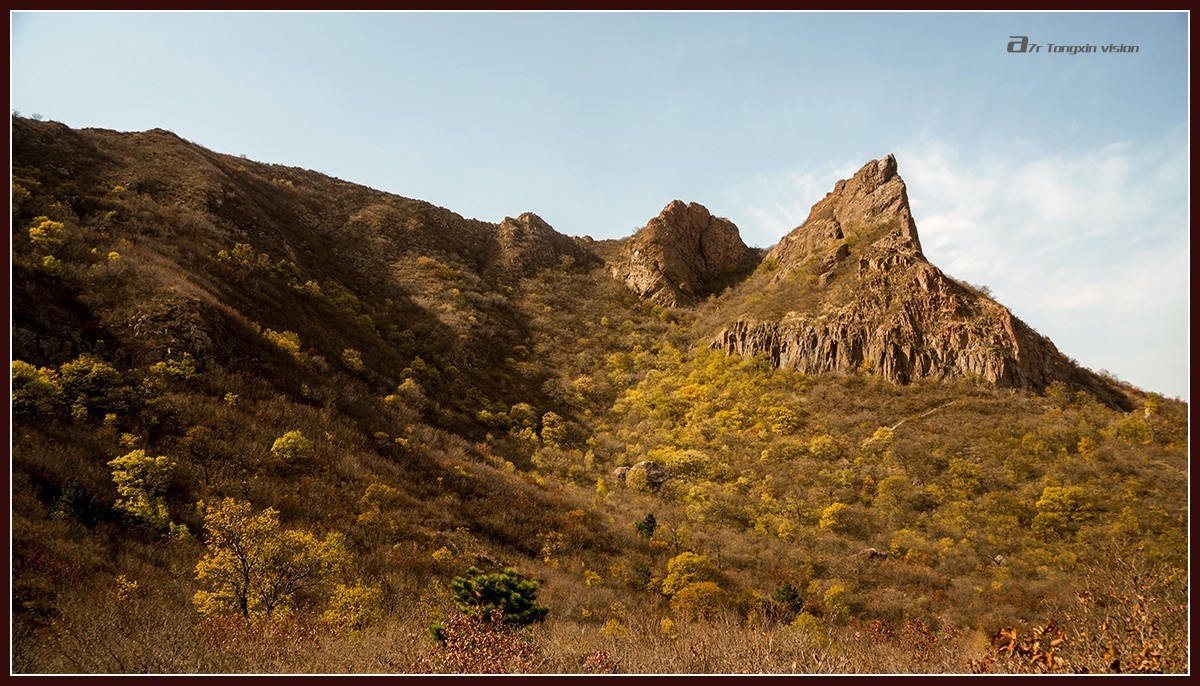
1091, 249
768, 206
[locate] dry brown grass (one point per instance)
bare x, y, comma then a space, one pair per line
422, 491
114, 636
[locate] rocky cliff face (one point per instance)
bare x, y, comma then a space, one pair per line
684, 254
869, 209
940, 331
527, 244
851, 290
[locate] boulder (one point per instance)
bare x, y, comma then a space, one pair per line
655, 474
683, 255
619, 474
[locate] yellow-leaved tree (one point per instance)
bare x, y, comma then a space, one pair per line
255, 567
685, 569
141, 481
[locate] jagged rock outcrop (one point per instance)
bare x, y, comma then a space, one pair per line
527, 244
850, 290
682, 255
930, 327
870, 206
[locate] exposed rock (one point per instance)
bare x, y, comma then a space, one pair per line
619, 474
870, 206
940, 334
158, 323
850, 290
871, 554
527, 244
683, 255
656, 474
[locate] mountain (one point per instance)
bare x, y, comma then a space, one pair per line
214, 249
850, 289
700, 456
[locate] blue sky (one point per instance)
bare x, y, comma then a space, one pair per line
1060, 181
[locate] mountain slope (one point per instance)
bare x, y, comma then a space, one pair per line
215, 249
423, 393
850, 290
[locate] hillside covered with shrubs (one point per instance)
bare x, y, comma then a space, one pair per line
265, 420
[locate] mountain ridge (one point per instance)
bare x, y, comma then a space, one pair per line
422, 395
848, 290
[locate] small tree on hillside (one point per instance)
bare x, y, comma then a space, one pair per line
699, 600
684, 569
141, 480
92, 387
788, 597
554, 430
253, 566
292, 447
647, 526
506, 595
34, 391
46, 233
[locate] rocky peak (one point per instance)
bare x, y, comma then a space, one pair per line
529, 243
869, 211
526, 225
683, 255
850, 291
